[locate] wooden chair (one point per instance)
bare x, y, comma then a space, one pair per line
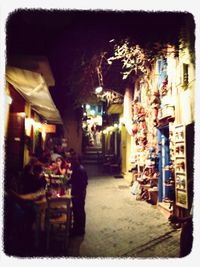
58, 221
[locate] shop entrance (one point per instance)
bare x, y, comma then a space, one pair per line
166, 191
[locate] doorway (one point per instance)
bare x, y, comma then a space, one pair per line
15, 142
166, 191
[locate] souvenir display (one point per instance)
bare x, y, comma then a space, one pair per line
171, 142
180, 167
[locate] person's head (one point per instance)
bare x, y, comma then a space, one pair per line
53, 164
146, 171
60, 162
28, 168
75, 162
33, 161
72, 152
37, 170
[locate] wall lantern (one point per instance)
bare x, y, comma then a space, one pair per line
28, 125
99, 89
21, 114
9, 99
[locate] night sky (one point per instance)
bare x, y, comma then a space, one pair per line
67, 36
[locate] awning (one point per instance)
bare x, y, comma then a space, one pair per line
33, 88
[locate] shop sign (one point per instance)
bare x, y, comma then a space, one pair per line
49, 128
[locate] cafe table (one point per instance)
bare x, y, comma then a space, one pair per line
40, 200
56, 178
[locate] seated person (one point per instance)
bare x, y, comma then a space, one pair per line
35, 181
60, 167
69, 167
45, 157
20, 215
52, 166
27, 170
55, 154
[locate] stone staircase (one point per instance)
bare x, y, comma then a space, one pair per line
92, 155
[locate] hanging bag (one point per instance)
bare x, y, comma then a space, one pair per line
135, 189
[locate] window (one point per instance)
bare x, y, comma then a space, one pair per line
185, 75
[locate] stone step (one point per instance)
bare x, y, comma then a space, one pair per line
92, 153
92, 156
93, 148
88, 161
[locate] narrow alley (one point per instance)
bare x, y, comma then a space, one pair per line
118, 225
99, 134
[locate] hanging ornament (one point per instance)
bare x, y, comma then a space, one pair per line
134, 128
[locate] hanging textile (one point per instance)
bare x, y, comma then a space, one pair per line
128, 114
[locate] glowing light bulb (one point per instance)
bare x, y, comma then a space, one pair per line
87, 106
99, 89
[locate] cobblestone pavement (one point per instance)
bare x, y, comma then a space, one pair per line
118, 225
